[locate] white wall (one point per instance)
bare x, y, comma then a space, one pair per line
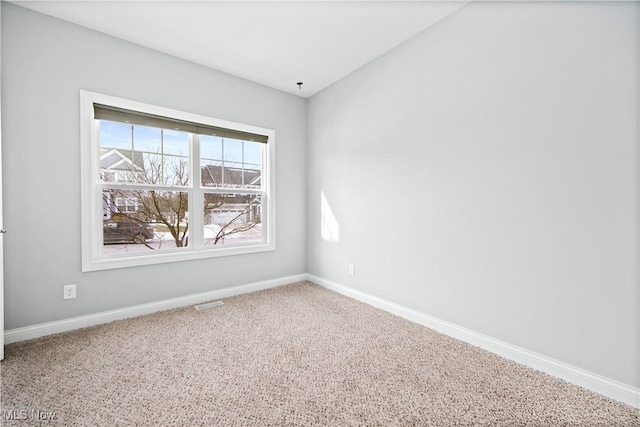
45, 63
507, 134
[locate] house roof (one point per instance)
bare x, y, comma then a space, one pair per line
212, 175
113, 159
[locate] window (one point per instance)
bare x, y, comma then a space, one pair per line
161, 185
125, 204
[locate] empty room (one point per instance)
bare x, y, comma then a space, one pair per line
331, 213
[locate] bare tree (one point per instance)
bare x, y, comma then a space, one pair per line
252, 219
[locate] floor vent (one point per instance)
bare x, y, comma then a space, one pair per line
208, 305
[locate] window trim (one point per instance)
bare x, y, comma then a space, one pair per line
91, 204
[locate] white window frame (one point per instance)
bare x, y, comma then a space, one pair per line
91, 192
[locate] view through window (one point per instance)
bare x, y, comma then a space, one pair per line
167, 185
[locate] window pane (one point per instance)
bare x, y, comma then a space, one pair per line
176, 170
150, 162
116, 165
239, 167
232, 150
147, 155
232, 219
232, 174
115, 135
253, 164
164, 170
116, 156
252, 176
147, 139
148, 220
211, 175
150, 168
211, 147
175, 142
253, 152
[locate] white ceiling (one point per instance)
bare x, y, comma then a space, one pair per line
276, 44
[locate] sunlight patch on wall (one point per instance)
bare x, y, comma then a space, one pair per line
329, 227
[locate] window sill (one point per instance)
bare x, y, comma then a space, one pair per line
99, 264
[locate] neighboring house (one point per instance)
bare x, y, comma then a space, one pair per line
231, 177
232, 205
128, 166
119, 166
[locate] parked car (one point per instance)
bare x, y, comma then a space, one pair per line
127, 231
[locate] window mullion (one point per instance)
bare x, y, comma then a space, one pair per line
222, 163
130, 186
133, 177
229, 190
161, 171
196, 202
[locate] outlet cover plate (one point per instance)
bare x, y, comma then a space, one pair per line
69, 292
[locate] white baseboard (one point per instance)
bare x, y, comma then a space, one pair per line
594, 382
40, 330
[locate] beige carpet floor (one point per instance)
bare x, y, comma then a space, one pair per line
295, 355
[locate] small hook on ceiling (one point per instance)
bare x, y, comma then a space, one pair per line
299, 85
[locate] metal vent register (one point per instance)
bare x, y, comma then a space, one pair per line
208, 305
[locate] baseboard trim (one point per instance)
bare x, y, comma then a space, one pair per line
40, 330
589, 380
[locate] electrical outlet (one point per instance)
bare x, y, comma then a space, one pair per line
69, 292
352, 269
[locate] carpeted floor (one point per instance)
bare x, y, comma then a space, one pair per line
289, 356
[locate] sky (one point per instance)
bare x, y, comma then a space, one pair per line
171, 142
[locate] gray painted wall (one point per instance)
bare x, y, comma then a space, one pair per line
45, 64
486, 172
